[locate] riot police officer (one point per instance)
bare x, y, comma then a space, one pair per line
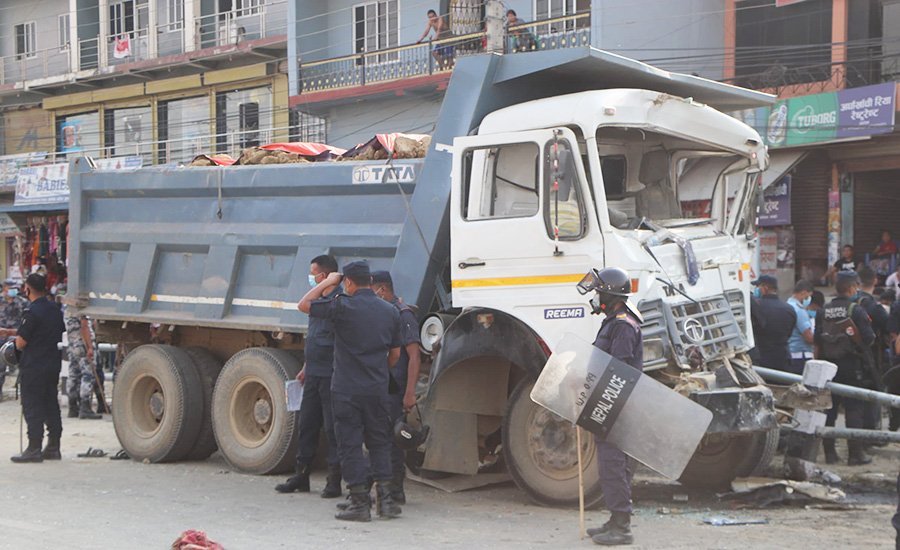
12, 306
80, 382
773, 324
38, 336
843, 336
619, 336
404, 374
315, 409
366, 345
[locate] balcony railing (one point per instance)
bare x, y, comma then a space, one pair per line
217, 29
438, 56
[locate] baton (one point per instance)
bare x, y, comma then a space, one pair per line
580, 481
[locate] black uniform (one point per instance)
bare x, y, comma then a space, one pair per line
315, 409
773, 322
42, 327
879, 319
409, 334
848, 356
365, 329
619, 336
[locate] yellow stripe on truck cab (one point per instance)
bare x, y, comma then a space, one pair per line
514, 281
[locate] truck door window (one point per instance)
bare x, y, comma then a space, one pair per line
613, 169
501, 182
563, 202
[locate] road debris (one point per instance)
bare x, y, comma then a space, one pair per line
195, 540
718, 521
756, 492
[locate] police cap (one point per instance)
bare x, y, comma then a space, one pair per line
383, 277
356, 270
768, 280
846, 277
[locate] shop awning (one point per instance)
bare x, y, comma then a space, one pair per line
32, 208
780, 163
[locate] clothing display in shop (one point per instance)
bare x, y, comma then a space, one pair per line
45, 244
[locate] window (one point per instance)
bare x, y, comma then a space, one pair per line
375, 27
613, 169
249, 118
240, 7
502, 182
174, 18
25, 35
183, 129
63, 32
306, 127
551, 9
125, 131
121, 18
243, 119
563, 196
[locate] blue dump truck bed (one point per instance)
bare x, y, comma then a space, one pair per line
227, 246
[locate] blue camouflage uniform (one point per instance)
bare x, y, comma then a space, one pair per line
80, 381
366, 328
409, 334
620, 336
11, 312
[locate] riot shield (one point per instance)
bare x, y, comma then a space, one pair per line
643, 418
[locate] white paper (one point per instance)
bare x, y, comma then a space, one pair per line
293, 395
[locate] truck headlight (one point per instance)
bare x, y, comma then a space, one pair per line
653, 350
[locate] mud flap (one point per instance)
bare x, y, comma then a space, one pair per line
645, 419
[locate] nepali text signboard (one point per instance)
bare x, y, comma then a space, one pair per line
825, 117
776, 204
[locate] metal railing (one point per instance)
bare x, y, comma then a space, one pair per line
439, 56
250, 23
138, 42
39, 64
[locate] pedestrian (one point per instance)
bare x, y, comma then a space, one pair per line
315, 376
11, 310
886, 248
80, 382
893, 281
843, 336
773, 325
800, 343
404, 374
619, 336
847, 262
37, 337
366, 346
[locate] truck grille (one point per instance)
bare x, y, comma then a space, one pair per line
713, 325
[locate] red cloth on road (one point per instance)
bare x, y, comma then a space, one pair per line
195, 540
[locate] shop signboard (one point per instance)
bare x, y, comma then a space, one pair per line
119, 163
42, 184
768, 252
776, 204
10, 165
8, 228
829, 116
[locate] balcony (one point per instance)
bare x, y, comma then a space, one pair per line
265, 24
439, 56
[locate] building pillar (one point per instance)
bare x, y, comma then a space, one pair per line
74, 44
191, 27
103, 36
730, 62
293, 60
494, 17
152, 34
840, 14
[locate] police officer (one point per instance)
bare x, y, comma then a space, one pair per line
773, 325
619, 336
800, 343
878, 317
80, 382
840, 322
11, 310
315, 410
366, 345
38, 335
404, 374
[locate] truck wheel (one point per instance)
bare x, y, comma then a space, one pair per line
763, 448
157, 404
254, 431
541, 454
715, 462
208, 367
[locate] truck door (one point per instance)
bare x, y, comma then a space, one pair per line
522, 234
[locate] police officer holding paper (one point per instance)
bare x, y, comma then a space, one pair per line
843, 336
619, 336
366, 345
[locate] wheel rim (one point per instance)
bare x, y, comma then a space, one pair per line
251, 412
148, 406
552, 445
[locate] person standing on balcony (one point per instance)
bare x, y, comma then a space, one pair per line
521, 39
443, 52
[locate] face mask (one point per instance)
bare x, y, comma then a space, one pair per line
12, 293
812, 313
312, 281
806, 302
756, 292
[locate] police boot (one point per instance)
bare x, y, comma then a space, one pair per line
86, 413
299, 482
51, 451
358, 509
831, 456
618, 532
600, 530
332, 483
31, 454
385, 507
856, 455
73, 407
397, 492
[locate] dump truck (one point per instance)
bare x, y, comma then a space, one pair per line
543, 165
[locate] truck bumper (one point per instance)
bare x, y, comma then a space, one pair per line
739, 409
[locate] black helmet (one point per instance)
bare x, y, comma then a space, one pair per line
9, 354
611, 280
406, 437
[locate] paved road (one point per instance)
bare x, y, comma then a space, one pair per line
93, 503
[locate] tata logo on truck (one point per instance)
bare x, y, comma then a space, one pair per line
379, 173
564, 313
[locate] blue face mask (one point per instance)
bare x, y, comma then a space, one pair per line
756, 292
812, 313
312, 281
806, 302
13, 292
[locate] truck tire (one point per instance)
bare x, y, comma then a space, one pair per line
208, 368
157, 404
254, 430
541, 454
